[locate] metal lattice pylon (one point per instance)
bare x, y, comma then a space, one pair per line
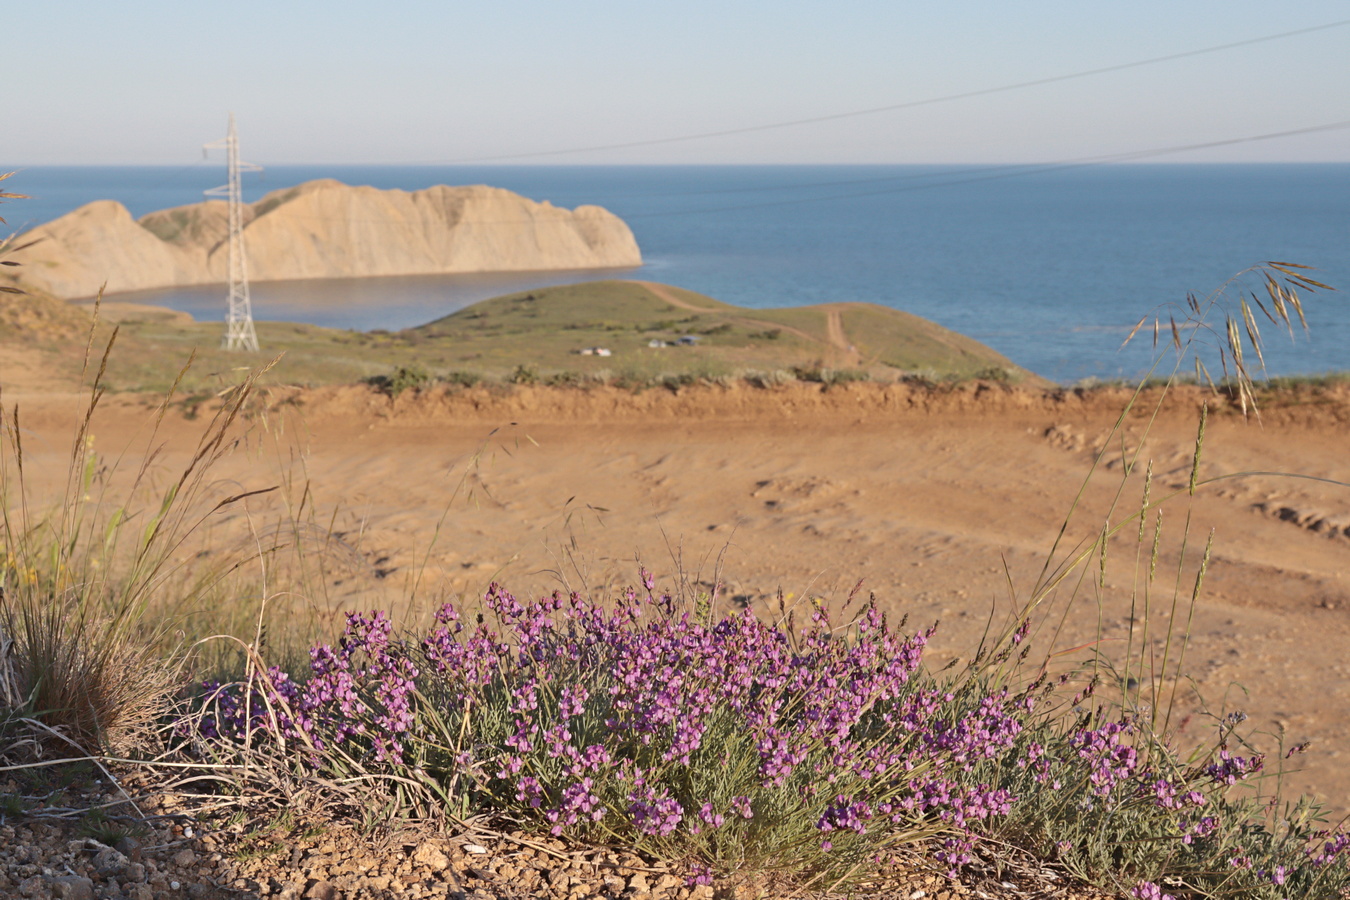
239, 332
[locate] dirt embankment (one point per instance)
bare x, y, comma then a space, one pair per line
1327, 406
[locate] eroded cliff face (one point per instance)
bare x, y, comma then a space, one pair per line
322, 229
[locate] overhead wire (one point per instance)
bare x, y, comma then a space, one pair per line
911, 104
1027, 169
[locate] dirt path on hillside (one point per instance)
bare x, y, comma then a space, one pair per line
924, 496
834, 322
834, 328
663, 293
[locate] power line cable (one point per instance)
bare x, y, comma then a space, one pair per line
1029, 169
912, 104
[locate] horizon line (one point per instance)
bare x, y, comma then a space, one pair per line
19, 167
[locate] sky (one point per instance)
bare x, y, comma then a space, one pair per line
89, 82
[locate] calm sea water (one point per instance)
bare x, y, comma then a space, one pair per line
1051, 267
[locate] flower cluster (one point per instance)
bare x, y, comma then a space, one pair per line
1147, 890
651, 720
357, 694
724, 738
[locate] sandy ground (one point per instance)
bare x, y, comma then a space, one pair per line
928, 499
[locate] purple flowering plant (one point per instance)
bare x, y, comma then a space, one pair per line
736, 743
722, 740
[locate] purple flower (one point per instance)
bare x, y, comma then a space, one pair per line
699, 874
1147, 890
1229, 769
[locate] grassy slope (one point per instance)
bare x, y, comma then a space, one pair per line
548, 327
543, 330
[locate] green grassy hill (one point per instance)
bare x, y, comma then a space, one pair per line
539, 335
549, 327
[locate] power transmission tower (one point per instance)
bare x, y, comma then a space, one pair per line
239, 333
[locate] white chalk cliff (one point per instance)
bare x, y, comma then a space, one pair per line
321, 229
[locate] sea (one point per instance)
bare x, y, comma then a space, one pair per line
1052, 265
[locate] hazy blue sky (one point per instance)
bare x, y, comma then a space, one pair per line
432, 81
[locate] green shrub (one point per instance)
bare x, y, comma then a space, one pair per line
830, 377
403, 378
461, 378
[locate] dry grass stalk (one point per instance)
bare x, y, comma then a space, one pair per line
77, 651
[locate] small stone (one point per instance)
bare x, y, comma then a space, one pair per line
431, 856
72, 887
184, 858
135, 873
110, 862
130, 848
667, 882
140, 892
32, 886
638, 883
321, 890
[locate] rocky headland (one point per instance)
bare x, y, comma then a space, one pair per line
320, 229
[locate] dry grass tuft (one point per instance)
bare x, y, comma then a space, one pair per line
64, 671
78, 653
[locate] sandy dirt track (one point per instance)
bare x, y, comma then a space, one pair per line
924, 497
